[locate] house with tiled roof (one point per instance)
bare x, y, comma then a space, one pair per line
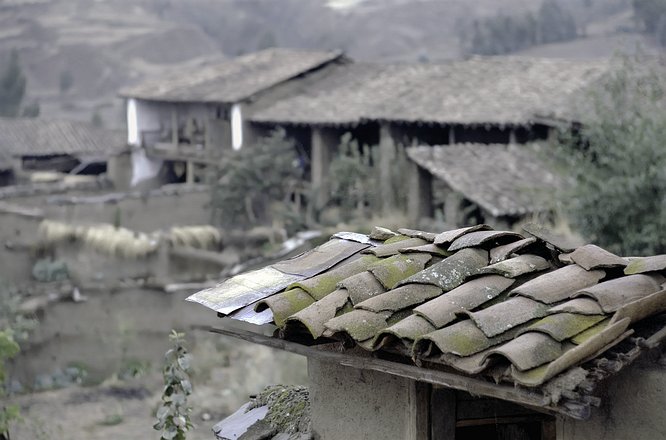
482, 100
190, 117
462, 334
477, 183
37, 144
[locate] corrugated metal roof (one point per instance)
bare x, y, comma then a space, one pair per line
43, 137
232, 80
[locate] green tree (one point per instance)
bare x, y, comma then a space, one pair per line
12, 87
649, 12
254, 177
618, 161
173, 416
353, 178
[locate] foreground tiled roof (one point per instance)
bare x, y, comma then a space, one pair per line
481, 90
504, 180
43, 137
233, 80
511, 308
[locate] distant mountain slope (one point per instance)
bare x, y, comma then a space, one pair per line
95, 47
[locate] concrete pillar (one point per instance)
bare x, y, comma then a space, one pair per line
324, 144
348, 403
512, 136
452, 135
387, 156
419, 197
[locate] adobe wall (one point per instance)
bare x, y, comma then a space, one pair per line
114, 329
139, 211
22, 211
634, 408
17, 232
348, 403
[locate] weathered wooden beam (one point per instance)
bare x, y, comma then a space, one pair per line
448, 380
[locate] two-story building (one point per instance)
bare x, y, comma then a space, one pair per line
187, 120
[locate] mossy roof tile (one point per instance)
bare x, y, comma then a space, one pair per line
321, 285
285, 304
507, 315
393, 246
406, 330
613, 294
361, 325
394, 269
484, 238
561, 326
502, 252
646, 264
400, 298
560, 284
362, 286
448, 237
593, 257
462, 339
452, 271
414, 233
581, 306
314, 316
528, 350
517, 266
443, 309
558, 241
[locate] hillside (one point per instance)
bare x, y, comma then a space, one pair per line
77, 53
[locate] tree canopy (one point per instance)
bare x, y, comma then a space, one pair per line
618, 162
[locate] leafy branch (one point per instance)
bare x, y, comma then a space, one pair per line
173, 416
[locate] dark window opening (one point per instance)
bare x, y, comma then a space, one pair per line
457, 415
482, 134
525, 430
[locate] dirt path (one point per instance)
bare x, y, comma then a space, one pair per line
124, 410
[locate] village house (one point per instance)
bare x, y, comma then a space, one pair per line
498, 100
464, 334
189, 119
30, 145
479, 183
182, 124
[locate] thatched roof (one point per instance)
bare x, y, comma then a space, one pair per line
233, 80
503, 180
481, 90
45, 137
